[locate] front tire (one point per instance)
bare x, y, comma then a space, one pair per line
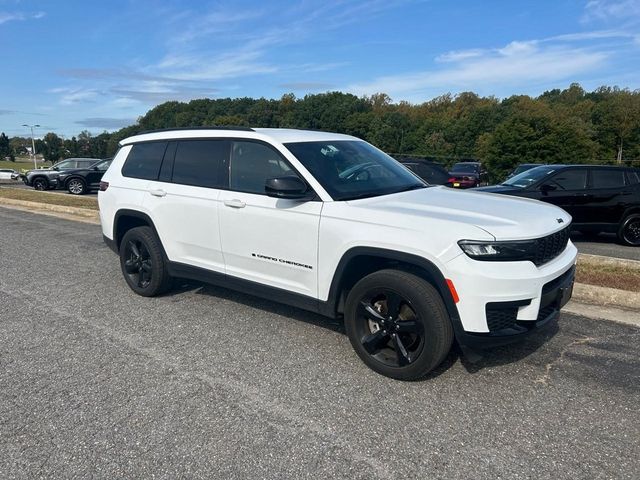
398, 324
629, 231
76, 186
142, 262
40, 184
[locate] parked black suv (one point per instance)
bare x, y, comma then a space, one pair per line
82, 180
46, 178
431, 172
599, 198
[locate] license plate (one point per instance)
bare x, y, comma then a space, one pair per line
564, 295
456, 184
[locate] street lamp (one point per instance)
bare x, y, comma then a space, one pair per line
33, 143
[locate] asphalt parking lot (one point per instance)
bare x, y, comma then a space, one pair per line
203, 382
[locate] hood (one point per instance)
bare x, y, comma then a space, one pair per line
503, 217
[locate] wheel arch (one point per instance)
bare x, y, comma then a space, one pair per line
358, 262
125, 220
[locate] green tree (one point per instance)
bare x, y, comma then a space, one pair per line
5, 148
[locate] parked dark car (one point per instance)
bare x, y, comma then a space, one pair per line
82, 180
431, 172
46, 178
599, 198
467, 175
523, 167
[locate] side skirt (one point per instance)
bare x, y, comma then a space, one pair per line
279, 295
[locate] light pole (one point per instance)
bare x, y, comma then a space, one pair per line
33, 143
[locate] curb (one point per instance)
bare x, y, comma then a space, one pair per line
612, 261
605, 296
84, 214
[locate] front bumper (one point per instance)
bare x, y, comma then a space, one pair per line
501, 302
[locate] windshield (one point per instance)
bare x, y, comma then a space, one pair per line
465, 168
351, 169
529, 177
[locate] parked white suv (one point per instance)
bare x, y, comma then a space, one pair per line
329, 223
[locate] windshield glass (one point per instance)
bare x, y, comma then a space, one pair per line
351, 169
529, 177
465, 168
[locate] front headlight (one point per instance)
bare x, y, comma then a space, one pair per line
515, 251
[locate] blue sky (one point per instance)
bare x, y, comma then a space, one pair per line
98, 65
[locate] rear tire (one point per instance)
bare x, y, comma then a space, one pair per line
629, 231
142, 262
398, 324
76, 186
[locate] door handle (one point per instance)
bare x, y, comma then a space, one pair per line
157, 193
235, 203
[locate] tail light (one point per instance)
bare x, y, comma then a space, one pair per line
452, 179
104, 186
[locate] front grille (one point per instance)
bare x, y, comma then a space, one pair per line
549, 247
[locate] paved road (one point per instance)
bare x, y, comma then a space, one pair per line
204, 382
604, 244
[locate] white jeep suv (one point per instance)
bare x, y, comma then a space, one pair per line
328, 223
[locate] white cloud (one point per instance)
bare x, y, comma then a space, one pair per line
611, 10
19, 16
517, 64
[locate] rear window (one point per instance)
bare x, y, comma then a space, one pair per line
607, 178
144, 160
199, 162
634, 178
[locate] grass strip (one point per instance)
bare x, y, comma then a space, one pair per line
612, 276
49, 198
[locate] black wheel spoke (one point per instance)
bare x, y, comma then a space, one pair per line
409, 326
393, 304
374, 342
146, 266
141, 279
134, 249
371, 313
130, 267
401, 351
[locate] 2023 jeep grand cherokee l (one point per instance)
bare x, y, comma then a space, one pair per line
329, 223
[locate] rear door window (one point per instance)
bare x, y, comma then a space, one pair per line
201, 163
144, 160
608, 178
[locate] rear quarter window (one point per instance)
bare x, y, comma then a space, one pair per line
607, 178
144, 160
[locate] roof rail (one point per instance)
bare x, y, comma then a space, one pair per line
213, 127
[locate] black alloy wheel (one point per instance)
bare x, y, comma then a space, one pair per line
138, 265
40, 184
389, 328
629, 232
142, 262
398, 324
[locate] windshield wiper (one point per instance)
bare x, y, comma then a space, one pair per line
378, 194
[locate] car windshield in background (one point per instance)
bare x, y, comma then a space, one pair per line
350, 169
529, 177
465, 168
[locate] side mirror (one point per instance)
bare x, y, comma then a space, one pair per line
546, 188
287, 187
55, 168
95, 169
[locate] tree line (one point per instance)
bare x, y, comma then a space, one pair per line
559, 126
